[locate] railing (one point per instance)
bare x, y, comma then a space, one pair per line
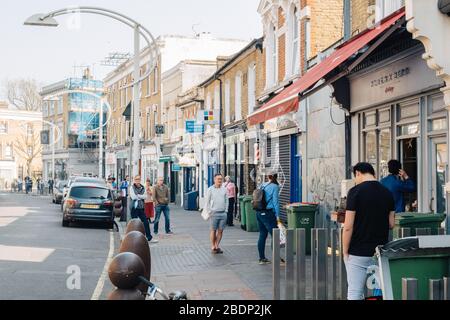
322, 274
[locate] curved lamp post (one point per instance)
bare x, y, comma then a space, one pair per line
48, 20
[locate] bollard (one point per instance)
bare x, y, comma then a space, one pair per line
122, 294
409, 289
313, 262
135, 225
125, 270
446, 285
342, 271
135, 242
405, 232
289, 270
276, 265
300, 267
435, 289
322, 265
423, 231
334, 247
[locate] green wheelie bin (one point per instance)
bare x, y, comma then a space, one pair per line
413, 221
251, 223
303, 216
423, 258
242, 212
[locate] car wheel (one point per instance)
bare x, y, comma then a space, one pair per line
65, 223
53, 201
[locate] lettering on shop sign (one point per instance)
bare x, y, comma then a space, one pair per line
387, 78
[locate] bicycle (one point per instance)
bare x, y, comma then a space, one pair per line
153, 290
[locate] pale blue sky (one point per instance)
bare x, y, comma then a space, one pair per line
49, 54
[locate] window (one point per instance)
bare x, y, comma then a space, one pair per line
208, 102
155, 81
295, 43
227, 101
271, 57
45, 109
3, 127
8, 151
386, 7
51, 110
60, 106
238, 97
217, 97
251, 88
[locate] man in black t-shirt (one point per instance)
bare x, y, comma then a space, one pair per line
369, 216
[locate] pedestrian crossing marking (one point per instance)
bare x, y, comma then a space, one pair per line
24, 254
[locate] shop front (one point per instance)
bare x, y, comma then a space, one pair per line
235, 158
111, 164
171, 177
122, 164
398, 112
149, 164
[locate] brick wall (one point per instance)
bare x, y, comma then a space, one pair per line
360, 14
281, 57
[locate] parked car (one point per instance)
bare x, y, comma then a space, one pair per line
58, 191
77, 179
88, 202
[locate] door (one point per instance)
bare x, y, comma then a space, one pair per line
296, 170
438, 174
408, 158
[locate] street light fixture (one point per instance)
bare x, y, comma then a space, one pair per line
40, 20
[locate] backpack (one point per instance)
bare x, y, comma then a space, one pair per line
259, 201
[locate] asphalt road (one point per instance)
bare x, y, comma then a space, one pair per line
41, 260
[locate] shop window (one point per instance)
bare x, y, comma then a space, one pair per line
385, 152
370, 144
438, 124
409, 129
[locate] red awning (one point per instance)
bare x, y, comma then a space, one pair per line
288, 100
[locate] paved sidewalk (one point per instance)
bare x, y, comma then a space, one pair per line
183, 261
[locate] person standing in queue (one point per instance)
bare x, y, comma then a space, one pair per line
398, 183
369, 215
138, 196
231, 193
149, 206
268, 217
161, 199
124, 186
216, 203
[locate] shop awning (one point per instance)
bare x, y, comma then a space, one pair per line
288, 100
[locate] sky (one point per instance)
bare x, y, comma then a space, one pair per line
52, 54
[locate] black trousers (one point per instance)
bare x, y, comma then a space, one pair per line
230, 213
124, 209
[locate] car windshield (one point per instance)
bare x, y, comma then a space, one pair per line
90, 193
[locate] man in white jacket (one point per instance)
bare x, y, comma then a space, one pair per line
217, 205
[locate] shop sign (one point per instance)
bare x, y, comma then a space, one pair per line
111, 159
176, 168
122, 154
165, 159
193, 127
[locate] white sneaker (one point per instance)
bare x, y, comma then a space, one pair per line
154, 241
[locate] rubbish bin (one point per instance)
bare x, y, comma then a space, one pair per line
242, 212
303, 216
422, 258
251, 223
418, 220
190, 201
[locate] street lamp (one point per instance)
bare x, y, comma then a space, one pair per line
48, 20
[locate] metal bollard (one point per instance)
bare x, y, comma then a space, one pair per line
322, 265
289, 270
135, 225
313, 263
334, 260
405, 232
342, 271
435, 289
300, 267
409, 289
276, 265
423, 231
446, 285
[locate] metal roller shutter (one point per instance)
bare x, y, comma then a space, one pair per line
284, 175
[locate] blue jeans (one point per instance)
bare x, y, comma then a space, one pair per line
267, 221
164, 209
140, 214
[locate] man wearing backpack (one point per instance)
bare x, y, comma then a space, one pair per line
267, 206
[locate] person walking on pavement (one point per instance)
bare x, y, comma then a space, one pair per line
216, 203
268, 217
231, 192
138, 196
369, 215
161, 199
398, 182
149, 206
50, 186
124, 186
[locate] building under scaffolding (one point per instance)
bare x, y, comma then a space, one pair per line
72, 109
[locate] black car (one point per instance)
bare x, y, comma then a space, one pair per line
73, 180
88, 202
58, 191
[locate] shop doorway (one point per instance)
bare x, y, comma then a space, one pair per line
408, 158
439, 163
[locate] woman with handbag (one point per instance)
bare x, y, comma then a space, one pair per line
138, 196
149, 206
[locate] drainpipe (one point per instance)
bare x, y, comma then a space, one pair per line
347, 20
220, 119
348, 120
